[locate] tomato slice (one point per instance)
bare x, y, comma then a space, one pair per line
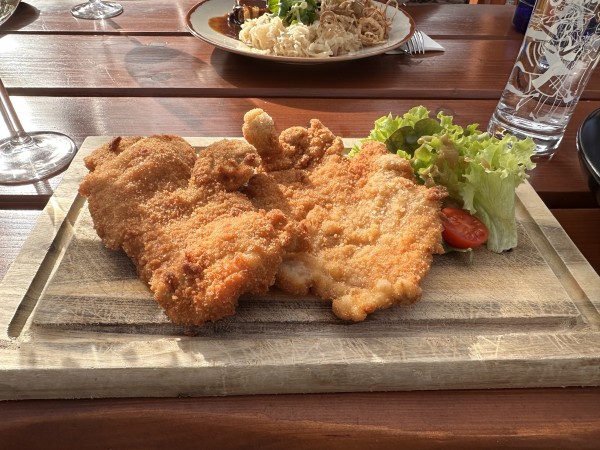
461, 229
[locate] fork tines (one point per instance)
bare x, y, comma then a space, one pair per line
418, 42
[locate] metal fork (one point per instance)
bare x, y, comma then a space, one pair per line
416, 43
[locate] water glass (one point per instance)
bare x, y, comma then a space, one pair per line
558, 55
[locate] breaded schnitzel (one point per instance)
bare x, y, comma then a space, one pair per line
291, 209
371, 229
198, 242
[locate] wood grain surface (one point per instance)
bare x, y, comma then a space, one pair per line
15, 226
559, 182
136, 54
467, 419
566, 418
526, 318
185, 66
159, 17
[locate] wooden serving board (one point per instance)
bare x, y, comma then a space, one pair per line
75, 321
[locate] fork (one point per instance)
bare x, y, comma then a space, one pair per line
416, 43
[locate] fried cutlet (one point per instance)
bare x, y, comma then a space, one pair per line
193, 237
288, 208
371, 228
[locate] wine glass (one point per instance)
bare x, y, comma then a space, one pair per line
27, 157
97, 9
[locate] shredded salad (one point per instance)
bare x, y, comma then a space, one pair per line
307, 28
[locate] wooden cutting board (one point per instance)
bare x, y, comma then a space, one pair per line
76, 322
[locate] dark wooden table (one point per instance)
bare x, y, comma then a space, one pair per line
143, 73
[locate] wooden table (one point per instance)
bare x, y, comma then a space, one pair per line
143, 73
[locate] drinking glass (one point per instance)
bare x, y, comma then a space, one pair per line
27, 157
97, 9
559, 52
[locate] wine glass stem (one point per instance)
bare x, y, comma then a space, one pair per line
17, 134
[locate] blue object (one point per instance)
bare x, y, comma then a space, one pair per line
523, 14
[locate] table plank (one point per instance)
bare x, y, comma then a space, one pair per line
505, 419
159, 17
188, 67
559, 182
184, 66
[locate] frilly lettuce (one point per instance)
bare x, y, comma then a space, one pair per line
481, 172
295, 11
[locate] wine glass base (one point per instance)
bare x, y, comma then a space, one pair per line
97, 10
43, 154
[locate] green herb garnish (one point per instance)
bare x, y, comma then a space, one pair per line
295, 11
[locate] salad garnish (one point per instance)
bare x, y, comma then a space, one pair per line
295, 11
480, 171
318, 28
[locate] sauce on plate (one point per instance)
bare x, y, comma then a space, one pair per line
230, 23
223, 25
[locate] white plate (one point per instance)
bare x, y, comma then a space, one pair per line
197, 19
7, 8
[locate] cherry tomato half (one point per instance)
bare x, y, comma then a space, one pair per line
461, 229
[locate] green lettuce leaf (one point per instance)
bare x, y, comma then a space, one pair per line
480, 172
295, 11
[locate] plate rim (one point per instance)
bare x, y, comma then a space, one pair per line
15, 3
374, 51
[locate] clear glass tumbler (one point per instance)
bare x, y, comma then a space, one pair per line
560, 50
